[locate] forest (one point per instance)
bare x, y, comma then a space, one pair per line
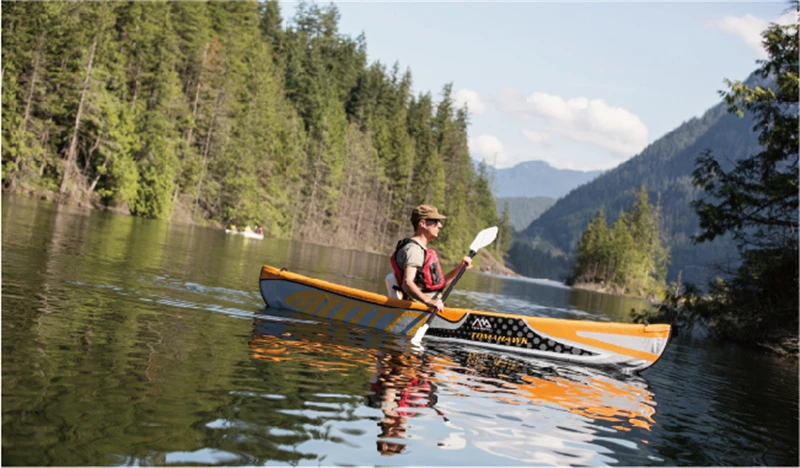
227, 113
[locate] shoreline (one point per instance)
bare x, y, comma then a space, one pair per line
182, 215
613, 290
489, 264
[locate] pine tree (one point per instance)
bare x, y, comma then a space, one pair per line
756, 200
159, 103
593, 250
504, 235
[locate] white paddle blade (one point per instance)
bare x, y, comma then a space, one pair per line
484, 238
420, 334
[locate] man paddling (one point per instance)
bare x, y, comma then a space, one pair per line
416, 267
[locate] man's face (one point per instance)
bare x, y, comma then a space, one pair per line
432, 227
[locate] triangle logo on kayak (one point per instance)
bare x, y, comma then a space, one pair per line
482, 323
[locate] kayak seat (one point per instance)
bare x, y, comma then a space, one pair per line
392, 290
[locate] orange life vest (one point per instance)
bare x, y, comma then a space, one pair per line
429, 278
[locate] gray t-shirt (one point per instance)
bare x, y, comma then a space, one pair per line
412, 254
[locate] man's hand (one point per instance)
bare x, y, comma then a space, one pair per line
435, 304
468, 261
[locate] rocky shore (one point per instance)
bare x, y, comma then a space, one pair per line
774, 338
489, 264
777, 341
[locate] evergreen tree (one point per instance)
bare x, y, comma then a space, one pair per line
593, 250
429, 173
504, 236
630, 255
756, 199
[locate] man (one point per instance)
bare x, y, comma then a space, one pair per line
416, 267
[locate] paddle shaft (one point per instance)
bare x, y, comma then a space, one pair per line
484, 238
458, 277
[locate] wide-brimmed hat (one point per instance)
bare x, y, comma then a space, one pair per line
425, 212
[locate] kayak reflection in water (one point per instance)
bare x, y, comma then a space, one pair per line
397, 387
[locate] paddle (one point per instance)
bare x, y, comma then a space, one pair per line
484, 238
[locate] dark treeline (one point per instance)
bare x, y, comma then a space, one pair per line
523, 210
220, 112
529, 260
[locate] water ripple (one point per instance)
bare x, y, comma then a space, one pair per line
138, 342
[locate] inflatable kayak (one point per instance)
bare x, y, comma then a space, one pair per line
630, 347
248, 234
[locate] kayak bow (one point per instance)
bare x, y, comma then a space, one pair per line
630, 347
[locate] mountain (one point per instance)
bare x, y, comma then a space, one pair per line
665, 168
523, 210
538, 179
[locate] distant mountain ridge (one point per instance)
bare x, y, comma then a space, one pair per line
665, 167
538, 179
523, 210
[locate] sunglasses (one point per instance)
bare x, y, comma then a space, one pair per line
434, 221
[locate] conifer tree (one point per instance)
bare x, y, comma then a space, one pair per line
756, 200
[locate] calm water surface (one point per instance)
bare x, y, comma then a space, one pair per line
135, 342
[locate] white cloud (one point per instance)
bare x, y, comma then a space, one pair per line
590, 121
471, 98
790, 17
489, 148
568, 126
512, 102
537, 138
749, 28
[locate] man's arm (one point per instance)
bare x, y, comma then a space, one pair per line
449, 277
413, 290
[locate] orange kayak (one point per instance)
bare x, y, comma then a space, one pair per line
630, 347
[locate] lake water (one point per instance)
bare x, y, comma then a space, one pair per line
136, 342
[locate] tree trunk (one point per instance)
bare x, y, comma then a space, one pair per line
29, 97
312, 202
63, 67
385, 222
136, 87
97, 178
296, 203
197, 91
206, 151
357, 233
408, 182
73, 144
45, 137
89, 155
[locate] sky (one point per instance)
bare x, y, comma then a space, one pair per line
582, 86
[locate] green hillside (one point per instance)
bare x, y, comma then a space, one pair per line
225, 113
523, 210
665, 168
